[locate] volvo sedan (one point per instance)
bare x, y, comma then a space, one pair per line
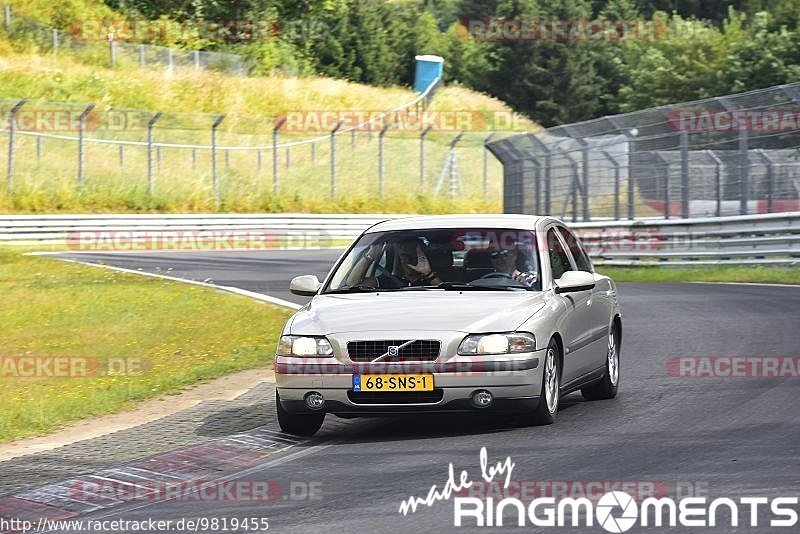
457, 313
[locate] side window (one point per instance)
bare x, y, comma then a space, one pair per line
559, 260
581, 258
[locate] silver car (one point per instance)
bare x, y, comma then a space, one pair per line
457, 313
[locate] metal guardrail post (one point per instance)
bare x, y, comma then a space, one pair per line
214, 173
275, 130
381, 136
770, 177
684, 140
548, 167
486, 166
617, 177
81, 133
744, 171
12, 123
150, 124
537, 184
585, 171
666, 197
333, 158
422, 157
452, 177
717, 181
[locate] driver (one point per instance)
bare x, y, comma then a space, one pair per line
505, 262
415, 268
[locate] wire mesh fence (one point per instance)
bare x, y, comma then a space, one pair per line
736, 154
53, 148
106, 50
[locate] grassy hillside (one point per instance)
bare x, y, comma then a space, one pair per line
45, 175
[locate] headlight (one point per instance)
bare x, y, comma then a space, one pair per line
510, 343
304, 346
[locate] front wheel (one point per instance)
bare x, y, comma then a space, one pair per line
606, 388
300, 424
545, 412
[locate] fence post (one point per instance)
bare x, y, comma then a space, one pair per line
422, 156
666, 197
684, 174
11, 126
275, 130
150, 125
121, 155
112, 52
333, 158
380, 158
81, 132
313, 153
615, 163
38, 149
717, 181
288, 158
141, 56
744, 171
214, 173
196, 55
585, 169
55, 42
170, 61
8, 19
547, 172
259, 156
194, 158
486, 167
770, 177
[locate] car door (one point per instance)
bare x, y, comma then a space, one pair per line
573, 323
599, 306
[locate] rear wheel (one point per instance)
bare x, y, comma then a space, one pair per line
545, 412
606, 388
300, 424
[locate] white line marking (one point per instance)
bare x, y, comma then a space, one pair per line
229, 289
748, 284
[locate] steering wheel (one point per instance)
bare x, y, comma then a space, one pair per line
495, 275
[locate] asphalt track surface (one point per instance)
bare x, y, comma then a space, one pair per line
731, 437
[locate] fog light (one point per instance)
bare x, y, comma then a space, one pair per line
314, 400
482, 399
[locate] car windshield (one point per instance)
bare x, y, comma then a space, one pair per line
442, 259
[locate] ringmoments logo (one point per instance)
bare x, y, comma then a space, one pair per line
615, 511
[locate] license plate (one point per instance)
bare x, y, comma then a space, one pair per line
393, 382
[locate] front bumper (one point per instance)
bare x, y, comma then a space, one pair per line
513, 380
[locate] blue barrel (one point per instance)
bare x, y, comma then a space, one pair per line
428, 69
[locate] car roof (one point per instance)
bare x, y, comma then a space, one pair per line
515, 221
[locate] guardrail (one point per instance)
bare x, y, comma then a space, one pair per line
750, 239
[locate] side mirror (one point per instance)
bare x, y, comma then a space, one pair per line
306, 285
572, 281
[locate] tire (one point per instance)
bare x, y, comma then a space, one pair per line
300, 424
546, 410
607, 387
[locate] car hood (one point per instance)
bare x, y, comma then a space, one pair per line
468, 311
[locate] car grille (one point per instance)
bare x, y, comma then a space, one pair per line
400, 397
421, 350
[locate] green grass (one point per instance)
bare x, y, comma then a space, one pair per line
723, 273
180, 334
